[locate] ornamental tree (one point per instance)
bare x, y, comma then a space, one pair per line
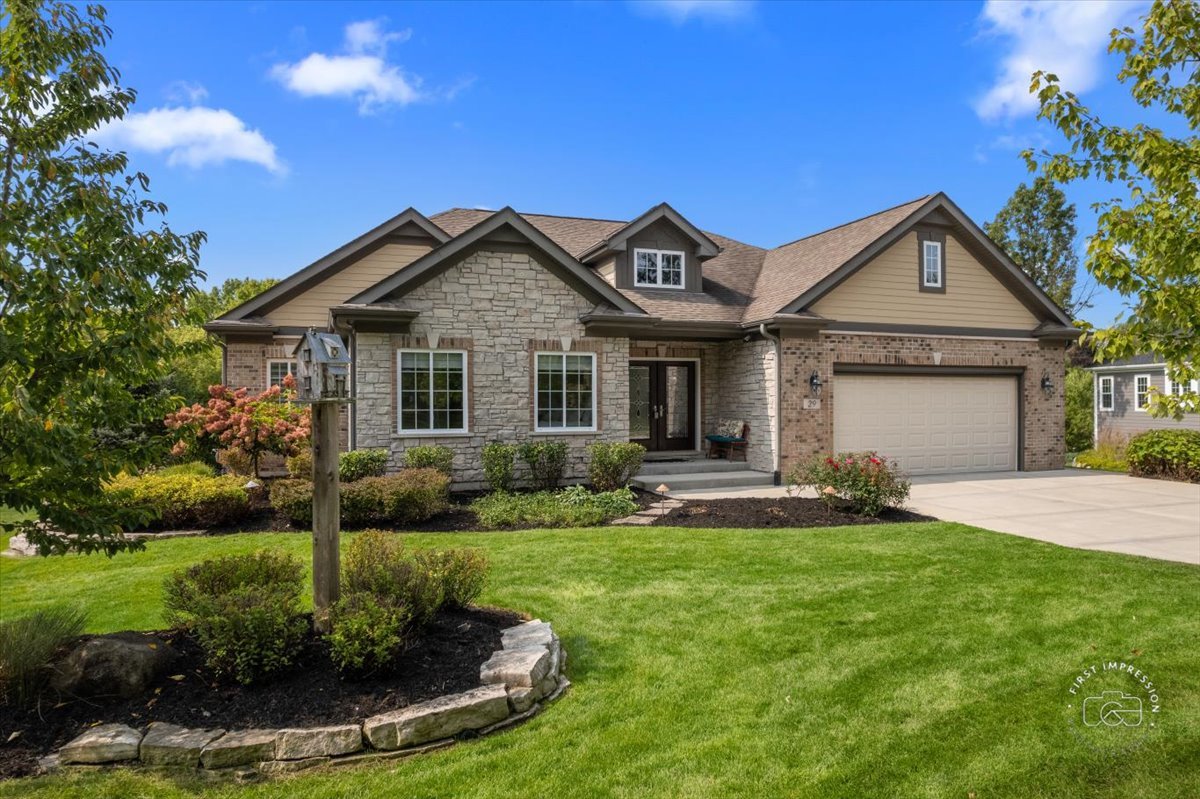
91, 282
1147, 243
268, 422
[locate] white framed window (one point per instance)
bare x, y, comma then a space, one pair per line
565, 391
277, 370
431, 391
931, 264
1141, 392
1106, 393
1182, 388
658, 268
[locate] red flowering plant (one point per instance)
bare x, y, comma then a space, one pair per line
248, 424
866, 481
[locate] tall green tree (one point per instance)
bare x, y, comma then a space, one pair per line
191, 373
1147, 242
1036, 227
92, 281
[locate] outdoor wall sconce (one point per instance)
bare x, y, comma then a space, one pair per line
1047, 384
814, 383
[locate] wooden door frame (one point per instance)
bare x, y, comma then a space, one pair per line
697, 388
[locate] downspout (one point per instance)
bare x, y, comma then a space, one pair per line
762, 329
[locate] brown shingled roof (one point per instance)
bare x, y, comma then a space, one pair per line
743, 283
794, 268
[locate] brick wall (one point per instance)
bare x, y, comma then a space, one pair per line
810, 432
500, 307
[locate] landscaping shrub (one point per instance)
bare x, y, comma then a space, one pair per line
361, 463
292, 499
366, 636
546, 460
431, 457
613, 464
498, 464
1078, 407
378, 564
186, 500
236, 462
191, 468
300, 465
1165, 453
1108, 454
571, 507
244, 611
462, 573
27, 645
411, 495
868, 482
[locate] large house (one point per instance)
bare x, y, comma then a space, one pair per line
908, 332
1121, 397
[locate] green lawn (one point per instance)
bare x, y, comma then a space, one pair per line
891, 661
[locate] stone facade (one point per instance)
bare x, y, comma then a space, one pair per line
810, 432
501, 308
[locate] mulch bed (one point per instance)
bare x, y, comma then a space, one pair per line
789, 512
445, 660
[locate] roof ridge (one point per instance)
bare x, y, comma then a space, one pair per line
530, 213
853, 221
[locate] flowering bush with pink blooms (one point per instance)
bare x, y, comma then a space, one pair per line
250, 424
867, 481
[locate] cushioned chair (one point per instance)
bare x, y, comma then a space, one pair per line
730, 439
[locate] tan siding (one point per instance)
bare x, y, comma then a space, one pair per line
608, 270
312, 306
885, 290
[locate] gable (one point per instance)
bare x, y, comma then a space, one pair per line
310, 308
885, 290
659, 235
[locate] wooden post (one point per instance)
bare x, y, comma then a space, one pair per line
326, 512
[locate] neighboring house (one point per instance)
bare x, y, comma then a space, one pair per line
907, 331
1121, 395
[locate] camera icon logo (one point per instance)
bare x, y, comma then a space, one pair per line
1112, 709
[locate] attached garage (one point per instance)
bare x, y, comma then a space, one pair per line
931, 424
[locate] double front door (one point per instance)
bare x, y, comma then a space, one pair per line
662, 404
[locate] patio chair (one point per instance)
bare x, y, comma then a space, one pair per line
731, 438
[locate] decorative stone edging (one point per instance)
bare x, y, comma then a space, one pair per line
521, 676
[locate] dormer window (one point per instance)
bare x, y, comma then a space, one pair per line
658, 268
932, 270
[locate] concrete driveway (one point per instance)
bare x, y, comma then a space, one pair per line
1074, 508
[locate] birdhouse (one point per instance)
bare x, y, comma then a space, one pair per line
322, 367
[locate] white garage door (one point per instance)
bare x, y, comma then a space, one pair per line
931, 425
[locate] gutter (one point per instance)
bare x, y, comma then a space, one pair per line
778, 342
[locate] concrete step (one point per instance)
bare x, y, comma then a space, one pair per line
693, 467
691, 481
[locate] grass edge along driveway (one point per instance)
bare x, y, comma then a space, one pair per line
895, 660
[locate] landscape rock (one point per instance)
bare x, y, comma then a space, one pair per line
531, 634
120, 664
272, 767
239, 749
437, 718
107, 743
172, 745
521, 699
517, 668
318, 742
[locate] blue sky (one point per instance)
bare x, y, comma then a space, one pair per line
283, 130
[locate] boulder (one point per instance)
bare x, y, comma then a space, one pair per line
107, 743
521, 699
531, 634
318, 742
239, 749
172, 745
437, 718
273, 767
517, 668
120, 664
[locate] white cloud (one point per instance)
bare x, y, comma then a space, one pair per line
186, 93
680, 11
1066, 37
1010, 144
362, 72
192, 137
